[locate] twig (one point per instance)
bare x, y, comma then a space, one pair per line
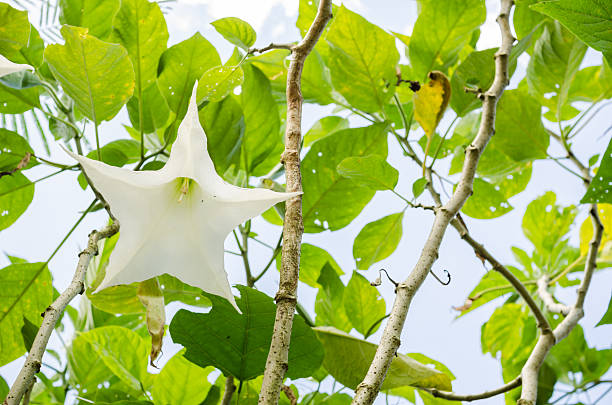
368, 389
52, 314
531, 368
289, 394
230, 388
451, 396
547, 298
293, 228
287, 47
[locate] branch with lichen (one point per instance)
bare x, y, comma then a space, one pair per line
53, 313
293, 228
369, 388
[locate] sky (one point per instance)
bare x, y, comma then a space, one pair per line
431, 327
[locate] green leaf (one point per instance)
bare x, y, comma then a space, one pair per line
377, 240
324, 127
13, 101
123, 299
553, 65
545, 224
236, 31
486, 202
218, 82
329, 301
503, 331
14, 29
121, 350
364, 306
362, 59
95, 15
155, 111
600, 189
476, 71
14, 148
180, 66
16, 194
330, 200
4, 388
589, 20
32, 53
181, 382
97, 75
606, 319
519, 132
525, 19
347, 359
440, 33
223, 123
141, 28
370, 171
26, 292
237, 344
262, 123
419, 186
312, 261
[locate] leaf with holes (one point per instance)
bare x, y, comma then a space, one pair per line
218, 82
377, 240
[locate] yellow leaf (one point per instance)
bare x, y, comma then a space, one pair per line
152, 297
430, 102
586, 232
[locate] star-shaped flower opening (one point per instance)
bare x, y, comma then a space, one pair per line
7, 67
176, 219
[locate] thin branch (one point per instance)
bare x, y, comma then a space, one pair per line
547, 298
293, 228
451, 396
230, 388
52, 314
531, 368
287, 47
369, 388
520, 288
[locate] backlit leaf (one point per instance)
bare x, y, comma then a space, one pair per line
377, 240
363, 305
371, 171
236, 31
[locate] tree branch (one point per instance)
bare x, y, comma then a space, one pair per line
547, 298
52, 314
293, 228
531, 368
451, 396
230, 387
368, 389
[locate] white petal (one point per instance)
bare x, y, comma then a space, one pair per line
7, 67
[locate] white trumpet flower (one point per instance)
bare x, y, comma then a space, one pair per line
176, 219
7, 67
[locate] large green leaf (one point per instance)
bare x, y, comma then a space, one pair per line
180, 66
181, 382
95, 15
545, 223
553, 65
14, 29
486, 202
476, 71
141, 28
87, 370
377, 240
329, 305
14, 101
600, 189
262, 123
440, 33
589, 20
26, 292
123, 299
525, 19
362, 59
237, 344
155, 111
122, 351
97, 75
330, 200
223, 123
503, 331
16, 194
363, 305
14, 148
218, 82
519, 132
236, 31
371, 171
347, 359
324, 127
312, 260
